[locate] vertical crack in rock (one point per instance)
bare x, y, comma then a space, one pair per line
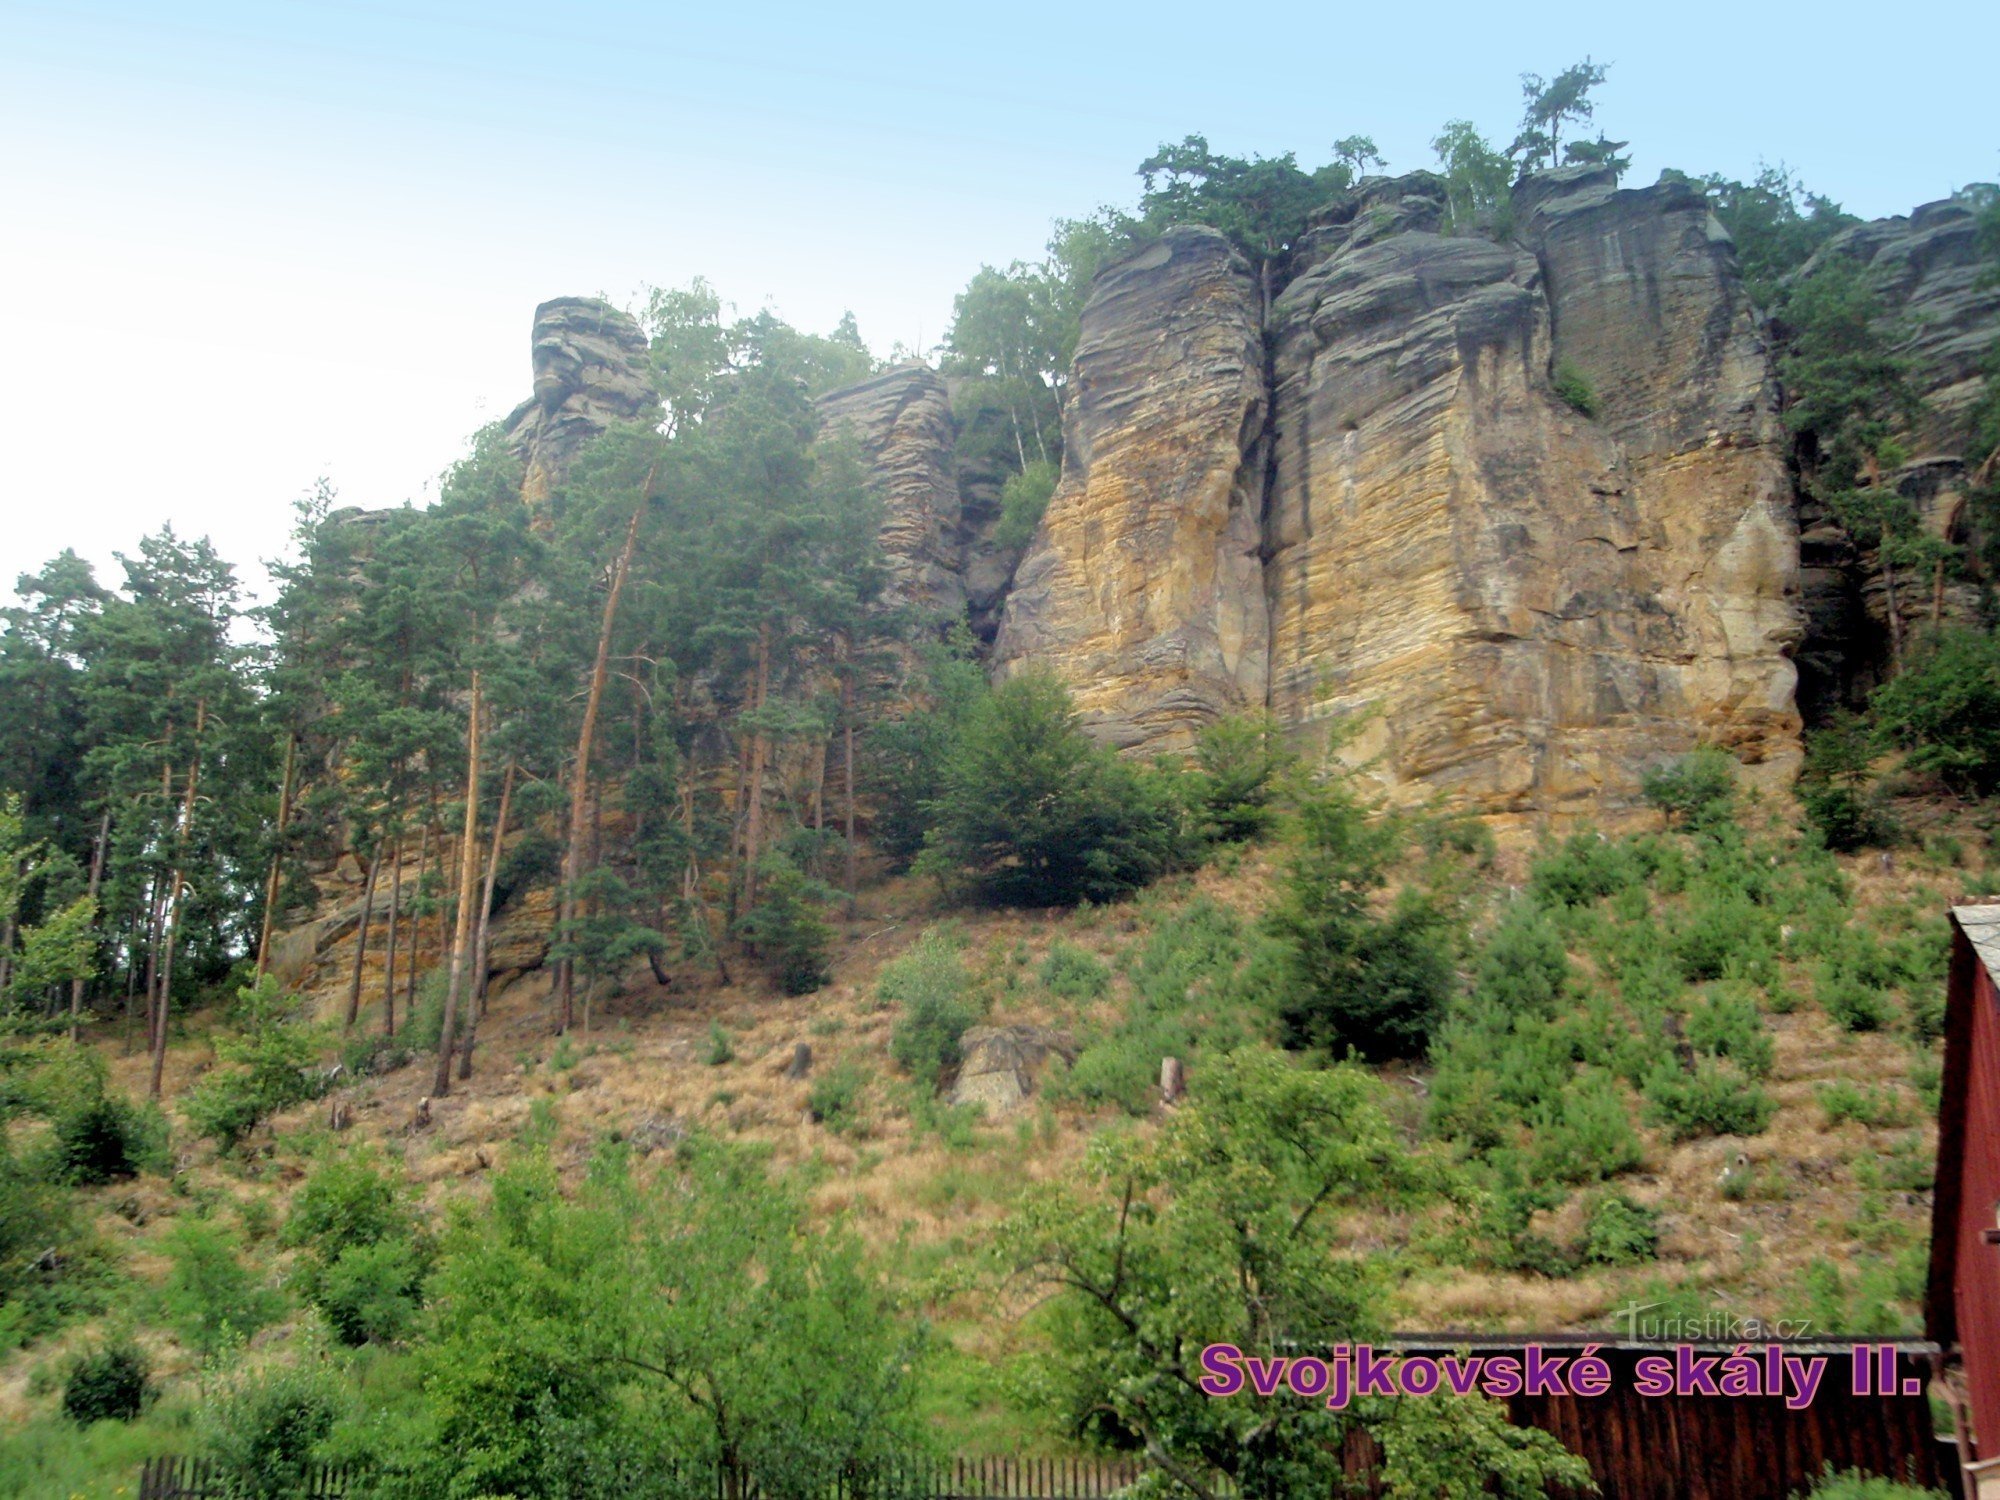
1143, 586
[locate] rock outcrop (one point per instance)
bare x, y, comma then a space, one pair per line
590, 372
1143, 587
1001, 1064
901, 422
1929, 267
1506, 602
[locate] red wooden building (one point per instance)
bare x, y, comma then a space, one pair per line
1962, 1302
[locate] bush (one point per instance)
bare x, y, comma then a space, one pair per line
1849, 1001
1573, 389
1714, 1099
929, 985
1585, 868
1524, 967
1878, 1108
1352, 979
1586, 1134
265, 1066
721, 1048
785, 929
264, 1430
111, 1384
1853, 1484
1023, 499
834, 1094
209, 1298
1032, 812
1944, 709
1728, 1025
1620, 1232
105, 1138
370, 1294
1240, 762
1071, 974
1696, 792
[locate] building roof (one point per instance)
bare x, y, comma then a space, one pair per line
1981, 926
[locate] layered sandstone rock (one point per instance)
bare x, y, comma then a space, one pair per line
901, 423
590, 372
1143, 587
1505, 603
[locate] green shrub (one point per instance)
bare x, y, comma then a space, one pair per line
1240, 763
109, 1384
1033, 812
1585, 868
266, 1066
1724, 933
1023, 499
786, 929
721, 1048
1944, 709
1620, 1232
834, 1094
370, 1294
106, 1138
371, 1054
1726, 1024
1849, 1002
1573, 389
1071, 974
1714, 1099
265, 1430
933, 993
209, 1298
1854, 1484
1878, 1107
1696, 792
1523, 968
1585, 1133
1352, 979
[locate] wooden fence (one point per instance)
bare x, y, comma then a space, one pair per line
942, 1479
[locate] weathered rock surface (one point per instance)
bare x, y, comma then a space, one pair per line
1143, 585
1929, 268
590, 372
1001, 1064
901, 422
1524, 608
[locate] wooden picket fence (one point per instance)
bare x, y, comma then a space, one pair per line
916, 1479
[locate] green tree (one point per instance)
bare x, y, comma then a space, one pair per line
1033, 813
1477, 180
1552, 105
1353, 978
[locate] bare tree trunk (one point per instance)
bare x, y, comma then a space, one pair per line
96, 884
847, 766
155, 915
277, 858
417, 915
482, 941
468, 880
395, 920
753, 829
579, 801
1888, 576
361, 937
164, 1004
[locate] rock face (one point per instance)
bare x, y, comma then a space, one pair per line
1002, 1062
1143, 587
901, 423
1505, 602
1928, 267
590, 371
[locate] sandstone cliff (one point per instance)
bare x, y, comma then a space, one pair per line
901, 423
1143, 587
1401, 527
1929, 267
590, 371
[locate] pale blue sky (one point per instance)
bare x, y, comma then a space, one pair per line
245, 245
